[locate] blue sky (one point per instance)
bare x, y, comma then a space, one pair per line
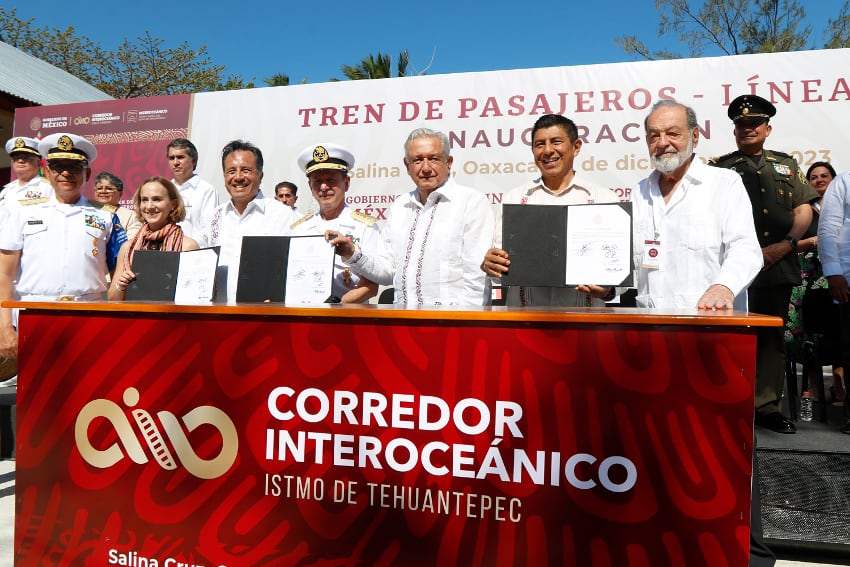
313, 39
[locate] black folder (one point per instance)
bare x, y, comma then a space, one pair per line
263, 268
156, 275
535, 238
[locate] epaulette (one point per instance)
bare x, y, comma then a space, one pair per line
302, 219
35, 201
111, 209
715, 161
364, 218
767, 155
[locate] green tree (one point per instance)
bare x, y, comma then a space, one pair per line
377, 67
277, 80
730, 26
281, 80
837, 33
142, 68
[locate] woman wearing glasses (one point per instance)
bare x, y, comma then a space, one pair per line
108, 189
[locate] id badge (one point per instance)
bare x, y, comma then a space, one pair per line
651, 254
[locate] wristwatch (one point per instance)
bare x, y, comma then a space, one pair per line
793, 242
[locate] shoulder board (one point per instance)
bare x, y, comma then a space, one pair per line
774, 155
103, 206
302, 219
25, 202
726, 157
364, 218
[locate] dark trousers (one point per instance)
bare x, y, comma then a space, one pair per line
844, 315
770, 345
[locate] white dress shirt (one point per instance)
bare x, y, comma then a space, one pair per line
706, 237
200, 200
434, 250
262, 217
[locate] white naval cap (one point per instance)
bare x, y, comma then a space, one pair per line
67, 146
22, 145
326, 156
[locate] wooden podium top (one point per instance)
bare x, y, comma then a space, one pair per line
617, 315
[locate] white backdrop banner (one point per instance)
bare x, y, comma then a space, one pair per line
488, 118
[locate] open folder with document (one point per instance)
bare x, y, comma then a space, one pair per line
559, 246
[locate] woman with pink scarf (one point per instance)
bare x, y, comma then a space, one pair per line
159, 206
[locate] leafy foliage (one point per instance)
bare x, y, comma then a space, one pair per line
733, 27
142, 68
277, 80
837, 32
377, 67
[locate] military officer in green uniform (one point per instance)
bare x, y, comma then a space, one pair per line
780, 198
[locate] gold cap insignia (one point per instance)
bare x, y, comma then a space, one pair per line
65, 144
19, 143
320, 154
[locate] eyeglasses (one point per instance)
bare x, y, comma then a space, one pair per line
23, 157
106, 188
66, 167
230, 172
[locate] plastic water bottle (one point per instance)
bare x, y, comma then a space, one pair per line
806, 406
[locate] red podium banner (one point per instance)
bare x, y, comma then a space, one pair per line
208, 440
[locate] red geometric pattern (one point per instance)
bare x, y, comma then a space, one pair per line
676, 402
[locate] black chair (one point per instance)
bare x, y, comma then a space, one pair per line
387, 296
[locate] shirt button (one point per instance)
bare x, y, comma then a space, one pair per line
765, 211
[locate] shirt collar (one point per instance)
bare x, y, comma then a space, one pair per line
538, 185
190, 183
258, 204
691, 177
444, 191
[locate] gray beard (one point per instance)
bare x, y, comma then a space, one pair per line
668, 163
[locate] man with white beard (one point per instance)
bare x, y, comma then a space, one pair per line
695, 243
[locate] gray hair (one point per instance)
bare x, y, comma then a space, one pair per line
669, 102
428, 133
112, 178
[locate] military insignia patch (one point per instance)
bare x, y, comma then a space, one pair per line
95, 221
782, 169
65, 144
19, 143
320, 154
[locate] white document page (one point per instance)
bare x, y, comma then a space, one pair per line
598, 245
310, 270
196, 276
